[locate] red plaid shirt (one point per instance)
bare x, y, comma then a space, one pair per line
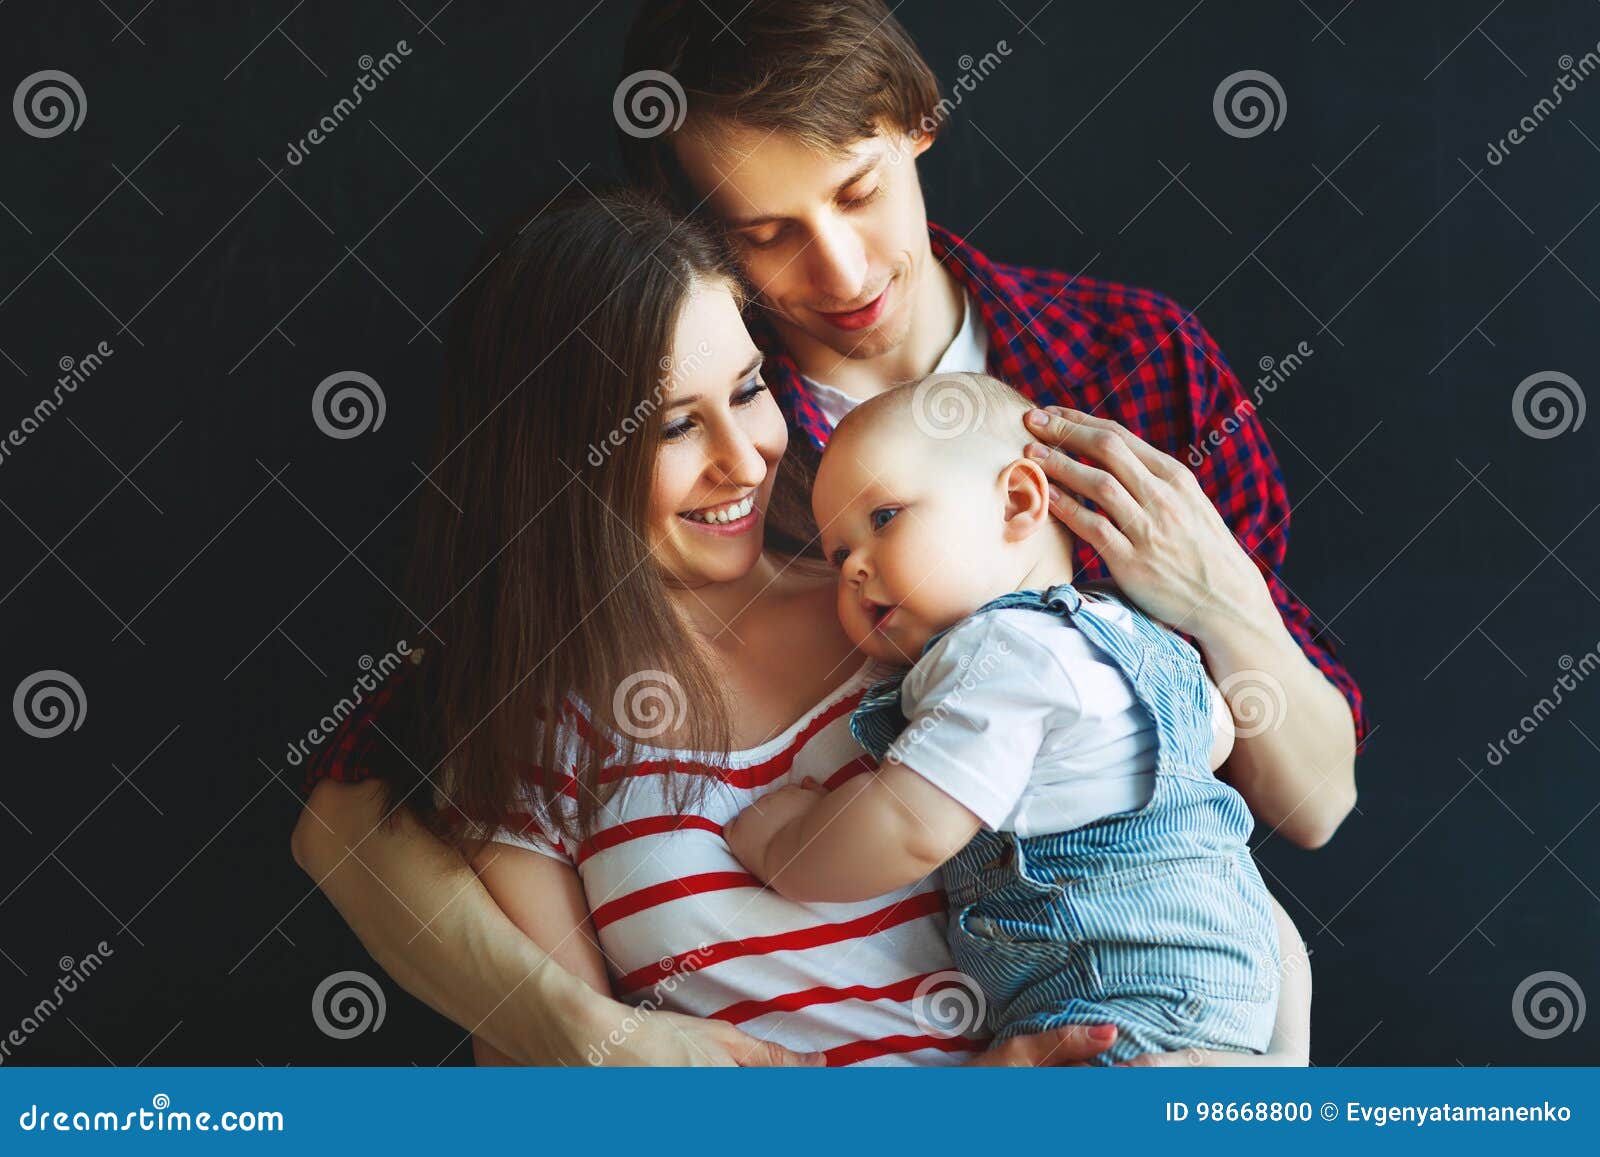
1122, 353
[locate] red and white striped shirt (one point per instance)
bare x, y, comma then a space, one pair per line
684, 927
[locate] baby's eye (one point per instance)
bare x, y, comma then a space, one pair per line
837, 558
882, 516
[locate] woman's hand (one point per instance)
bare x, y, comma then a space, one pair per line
1071, 1044
1161, 537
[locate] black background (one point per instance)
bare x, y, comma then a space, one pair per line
185, 494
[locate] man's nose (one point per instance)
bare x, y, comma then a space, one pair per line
839, 263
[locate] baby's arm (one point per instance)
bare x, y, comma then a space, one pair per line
878, 832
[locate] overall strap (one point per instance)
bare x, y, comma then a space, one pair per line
879, 719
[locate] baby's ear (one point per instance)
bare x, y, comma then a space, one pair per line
1027, 493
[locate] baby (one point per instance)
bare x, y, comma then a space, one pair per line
1050, 747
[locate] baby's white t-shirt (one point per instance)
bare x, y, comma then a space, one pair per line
1023, 720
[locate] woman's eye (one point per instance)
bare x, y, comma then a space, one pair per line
766, 241
750, 391
672, 431
883, 515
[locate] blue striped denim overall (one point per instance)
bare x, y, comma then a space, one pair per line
1155, 920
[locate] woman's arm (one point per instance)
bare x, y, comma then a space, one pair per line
545, 899
429, 922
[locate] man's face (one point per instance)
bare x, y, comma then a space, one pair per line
835, 244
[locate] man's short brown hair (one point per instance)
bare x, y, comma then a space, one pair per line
830, 72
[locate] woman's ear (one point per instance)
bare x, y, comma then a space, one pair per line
1027, 493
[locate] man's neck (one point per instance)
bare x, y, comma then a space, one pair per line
937, 312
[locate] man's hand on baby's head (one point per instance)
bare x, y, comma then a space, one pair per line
750, 833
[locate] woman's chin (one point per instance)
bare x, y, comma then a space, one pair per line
723, 562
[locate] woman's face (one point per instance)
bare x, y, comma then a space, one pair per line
722, 437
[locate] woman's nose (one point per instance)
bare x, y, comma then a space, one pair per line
739, 462
839, 262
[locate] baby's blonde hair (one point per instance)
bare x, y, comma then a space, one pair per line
947, 408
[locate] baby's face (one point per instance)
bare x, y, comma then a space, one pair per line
918, 542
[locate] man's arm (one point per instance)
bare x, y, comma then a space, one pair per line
878, 832
428, 921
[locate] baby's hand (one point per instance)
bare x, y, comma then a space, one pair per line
751, 832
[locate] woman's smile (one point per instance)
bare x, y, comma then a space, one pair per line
727, 518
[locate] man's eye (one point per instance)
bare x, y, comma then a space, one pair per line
863, 199
882, 516
763, 240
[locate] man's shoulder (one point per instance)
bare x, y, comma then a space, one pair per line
1072, 305
1074, 299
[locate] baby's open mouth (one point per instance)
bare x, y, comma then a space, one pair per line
879, 613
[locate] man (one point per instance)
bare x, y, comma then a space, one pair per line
800, 136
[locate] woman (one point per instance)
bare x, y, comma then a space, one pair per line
635, 647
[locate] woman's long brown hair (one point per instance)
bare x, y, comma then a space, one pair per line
532, 555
